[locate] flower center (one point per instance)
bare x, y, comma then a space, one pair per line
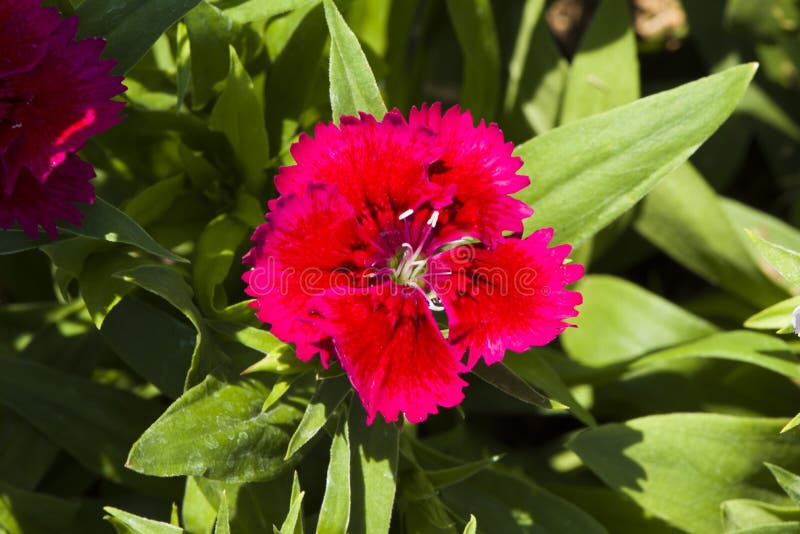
408, 266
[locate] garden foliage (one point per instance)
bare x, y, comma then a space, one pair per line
138, 386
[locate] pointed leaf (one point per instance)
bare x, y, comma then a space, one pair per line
763, 350
788, 481
776, 317
239, 115
105, 222
647, 459
294, 519
620, 320
374, 472
534, 369
587, 173
217, 430
786, 261
352, 84
684, 217
504, 379
605, 70
328, 397
127, 523
334, 514
223, 525
474, 25
130, 26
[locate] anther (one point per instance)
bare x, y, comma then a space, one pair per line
408, 213
433, 219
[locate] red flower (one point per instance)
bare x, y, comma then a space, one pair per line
379, 227
54, 95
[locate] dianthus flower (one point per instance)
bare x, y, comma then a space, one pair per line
380, 229
54, 95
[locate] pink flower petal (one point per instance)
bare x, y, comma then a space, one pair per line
309, 244
34, 204
379, 167
53, 107
24, 28
509, 297
478, 165
391, 349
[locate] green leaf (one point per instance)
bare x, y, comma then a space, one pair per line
605, 70
374, 472
145, 354
223, 525
791, 424
217, 430
744, 514
253, 506
293, 524
170, 285
441, 478
684, 217
776, 317
129, 26
214, 254
334, 514
127, 523
534, 369
591, 171
788, 481
472, 525
620, 320
23, 512
352, 84
474, 25
151, 203
680, 467
763, 350
239, 115
209, 37
786, 261
95, 424
419, 506
21, 440
100, 291
279, 357
789, 527
512, 504
504, 379
13, 241
105, 222
244, 11
536, 79
328, 397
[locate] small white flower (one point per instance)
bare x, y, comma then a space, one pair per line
796, 320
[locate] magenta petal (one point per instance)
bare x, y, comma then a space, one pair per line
309, 244
24, 29
478, 164
33, 204
379, 167
510, 297
391, 349
51, 108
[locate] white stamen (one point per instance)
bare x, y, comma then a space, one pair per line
434, 219
408, 213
